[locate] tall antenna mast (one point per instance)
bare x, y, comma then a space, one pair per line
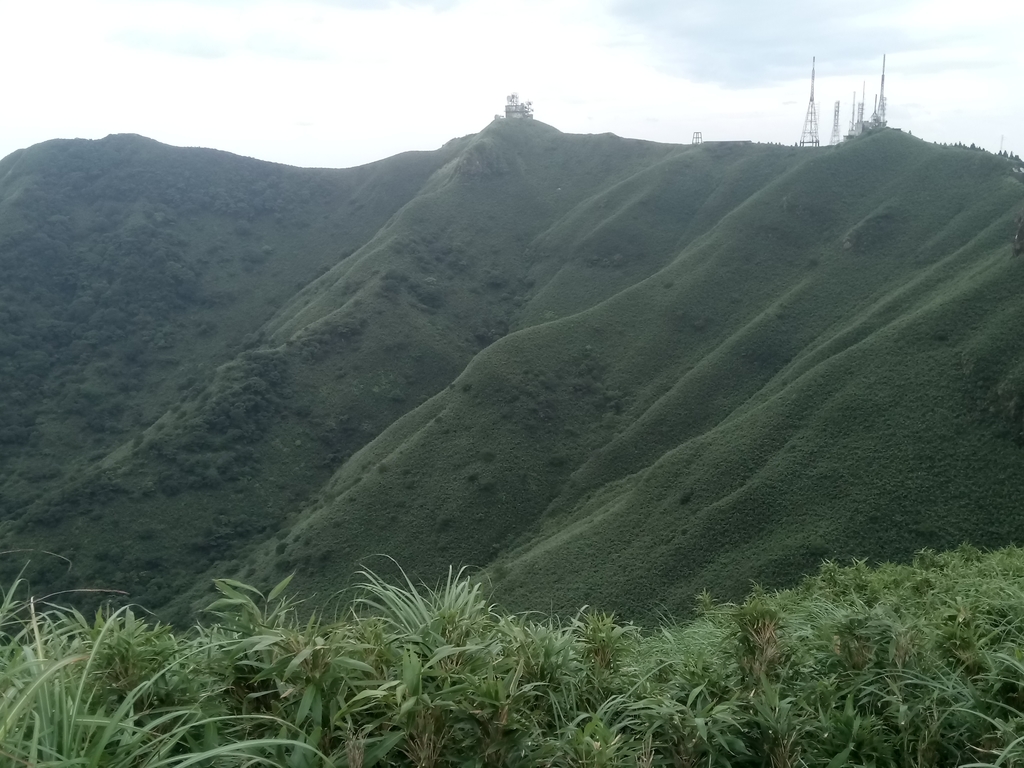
835, 127
881, 96
809, 137
853, 115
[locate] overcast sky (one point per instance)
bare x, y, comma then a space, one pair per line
342, 82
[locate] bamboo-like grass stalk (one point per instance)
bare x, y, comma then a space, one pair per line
890, 666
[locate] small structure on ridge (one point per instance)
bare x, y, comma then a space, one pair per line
516, 109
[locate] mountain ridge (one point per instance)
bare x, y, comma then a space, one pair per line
610, 370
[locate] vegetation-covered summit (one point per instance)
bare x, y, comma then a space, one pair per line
609, 371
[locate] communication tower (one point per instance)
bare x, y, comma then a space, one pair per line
858, 124
809, 137
881, 94
516, 109
878, 116
835, 127
857, 115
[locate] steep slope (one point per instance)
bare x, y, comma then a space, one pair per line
614, 371
131, 272
831, 370
130, 268
385, 328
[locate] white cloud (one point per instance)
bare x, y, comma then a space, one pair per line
334, 83
751, 43
183, 43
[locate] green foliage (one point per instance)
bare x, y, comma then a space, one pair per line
135, 276
611, 372
116, 692
409, 675
807, 356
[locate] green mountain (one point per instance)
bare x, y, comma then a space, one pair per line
609, 371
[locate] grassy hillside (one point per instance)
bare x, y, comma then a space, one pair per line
132, 272
899, 666
613, 372
827, 371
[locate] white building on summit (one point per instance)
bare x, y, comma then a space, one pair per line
516, 109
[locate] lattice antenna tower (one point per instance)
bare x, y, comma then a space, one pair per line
809, 137
835, 126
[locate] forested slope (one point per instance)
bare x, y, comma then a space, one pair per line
615, 372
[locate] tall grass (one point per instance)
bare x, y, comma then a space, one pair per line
115, 692
900, 665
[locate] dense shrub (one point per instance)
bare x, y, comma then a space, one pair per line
895, 666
